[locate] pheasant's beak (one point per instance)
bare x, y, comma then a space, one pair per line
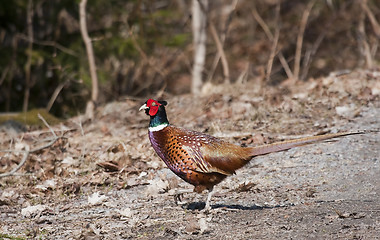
143, 107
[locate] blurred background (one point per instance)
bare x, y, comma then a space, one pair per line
144, 48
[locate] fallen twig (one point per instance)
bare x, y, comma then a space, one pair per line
46, 124
26, 154
27, 151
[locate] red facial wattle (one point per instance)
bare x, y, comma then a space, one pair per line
153, 106
153, 110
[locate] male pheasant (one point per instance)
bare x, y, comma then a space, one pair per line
203, 160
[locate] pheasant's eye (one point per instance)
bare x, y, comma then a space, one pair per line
153, 104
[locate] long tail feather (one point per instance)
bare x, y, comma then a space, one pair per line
285, 145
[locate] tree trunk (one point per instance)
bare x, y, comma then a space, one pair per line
28, 64
199, 9
91, 59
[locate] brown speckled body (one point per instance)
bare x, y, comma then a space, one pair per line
197, 158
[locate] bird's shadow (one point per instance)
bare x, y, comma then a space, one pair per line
201, 206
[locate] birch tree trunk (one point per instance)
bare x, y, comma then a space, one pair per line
199, 25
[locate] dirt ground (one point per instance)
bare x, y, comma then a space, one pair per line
101, 179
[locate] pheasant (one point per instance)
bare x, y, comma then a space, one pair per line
203, 160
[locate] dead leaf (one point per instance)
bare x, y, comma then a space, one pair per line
245, 187
96, 199
33, 210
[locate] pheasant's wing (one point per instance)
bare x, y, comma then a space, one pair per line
211, 154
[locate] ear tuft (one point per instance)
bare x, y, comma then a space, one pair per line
163, 102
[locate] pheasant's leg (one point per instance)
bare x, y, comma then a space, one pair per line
208, 206
178, 196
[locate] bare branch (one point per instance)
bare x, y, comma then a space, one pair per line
222, 40
4, 73
222, 54
362, 39
297, 58
372, 18
310, 54
270, 36
49, 43
262, 23
162, 72
274, 43
55, 94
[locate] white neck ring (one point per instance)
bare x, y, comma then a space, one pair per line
158, 128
